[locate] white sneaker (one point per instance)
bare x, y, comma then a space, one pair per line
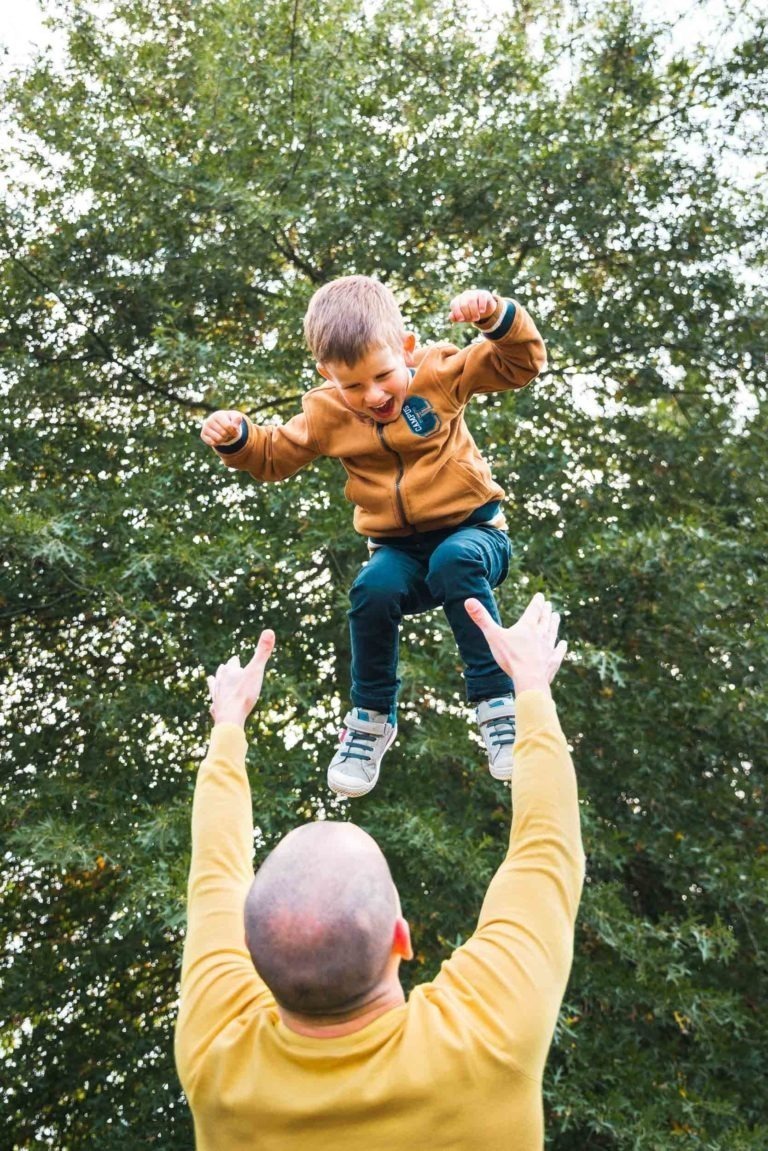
354, 769
496, 718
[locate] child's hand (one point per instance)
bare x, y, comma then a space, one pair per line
221, 428
471, 306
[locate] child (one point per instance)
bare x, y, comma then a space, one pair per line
423, 494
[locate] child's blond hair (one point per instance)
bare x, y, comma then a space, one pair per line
348, 317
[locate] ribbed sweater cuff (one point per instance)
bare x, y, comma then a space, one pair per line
236, 445
502, 325
534, 710
228, 742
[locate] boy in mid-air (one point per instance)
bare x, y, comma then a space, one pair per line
424, 496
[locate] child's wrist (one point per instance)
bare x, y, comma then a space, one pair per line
235, 439
493, 318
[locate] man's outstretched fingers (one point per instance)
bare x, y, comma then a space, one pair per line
263, 650
557, 658
535, 609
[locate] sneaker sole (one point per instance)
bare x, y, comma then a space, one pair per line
353, 788
504, 775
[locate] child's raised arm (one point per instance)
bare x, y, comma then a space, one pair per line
510, 355
268, 453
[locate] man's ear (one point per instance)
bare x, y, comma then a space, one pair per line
401, 939
409, 347
322, 371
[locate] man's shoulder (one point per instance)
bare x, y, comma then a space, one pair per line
438, 1010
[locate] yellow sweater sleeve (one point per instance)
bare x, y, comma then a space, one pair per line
218, 979
510, 977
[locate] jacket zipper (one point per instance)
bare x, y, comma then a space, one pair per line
400, 472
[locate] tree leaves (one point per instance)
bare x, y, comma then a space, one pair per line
190, 174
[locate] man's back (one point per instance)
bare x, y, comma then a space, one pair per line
459, 1065
418, 1076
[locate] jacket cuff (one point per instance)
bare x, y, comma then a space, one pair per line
238, 444
503, 323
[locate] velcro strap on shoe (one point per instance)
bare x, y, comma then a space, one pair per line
503, 711
354, 723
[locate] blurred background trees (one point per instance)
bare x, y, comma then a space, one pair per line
179, 178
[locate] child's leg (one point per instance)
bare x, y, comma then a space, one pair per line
471, 562
393, 581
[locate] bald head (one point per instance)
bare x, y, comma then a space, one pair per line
320, 918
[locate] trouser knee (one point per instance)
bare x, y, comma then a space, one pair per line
456, 571
376, 600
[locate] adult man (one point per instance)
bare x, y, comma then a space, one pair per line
319, 1048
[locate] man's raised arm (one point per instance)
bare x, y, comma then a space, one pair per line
218, 979
513, 972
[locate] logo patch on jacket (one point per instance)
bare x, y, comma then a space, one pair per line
420, 416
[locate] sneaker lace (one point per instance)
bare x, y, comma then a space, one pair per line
357, 744
501, 731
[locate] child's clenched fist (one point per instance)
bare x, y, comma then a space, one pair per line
221, 428
472, 306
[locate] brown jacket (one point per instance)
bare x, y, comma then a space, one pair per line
423, 471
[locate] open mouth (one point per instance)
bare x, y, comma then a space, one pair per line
384, 410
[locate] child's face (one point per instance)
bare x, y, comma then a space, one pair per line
376, 385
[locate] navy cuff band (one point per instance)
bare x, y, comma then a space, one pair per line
505, 323
230, 449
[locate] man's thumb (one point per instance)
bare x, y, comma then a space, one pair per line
479, 614
263, 649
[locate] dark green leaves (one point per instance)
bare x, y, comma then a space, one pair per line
191, 173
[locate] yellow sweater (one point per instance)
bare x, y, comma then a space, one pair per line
460, 1065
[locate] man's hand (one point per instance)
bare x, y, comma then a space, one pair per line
528, 651
234, 689
221, 428
472, 306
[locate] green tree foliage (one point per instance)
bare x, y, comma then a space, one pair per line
180, 177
